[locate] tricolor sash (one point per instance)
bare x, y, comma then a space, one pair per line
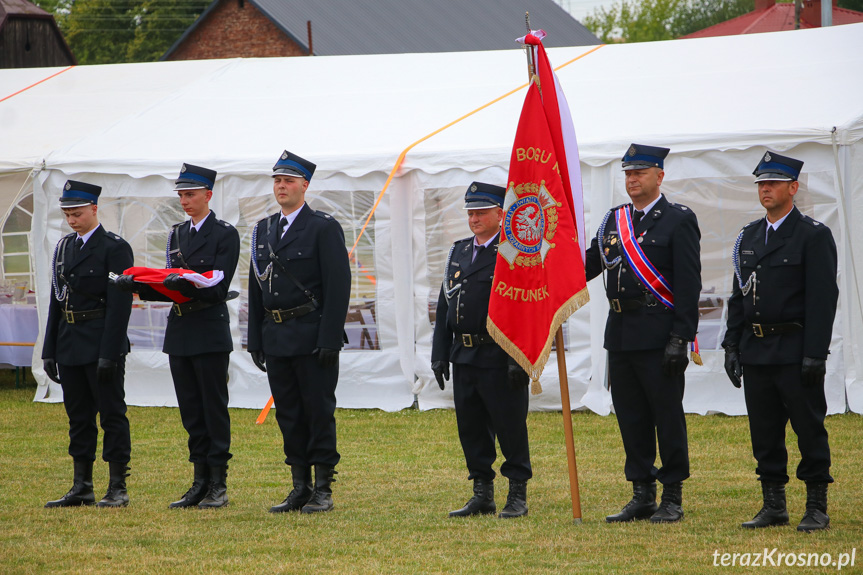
646, 273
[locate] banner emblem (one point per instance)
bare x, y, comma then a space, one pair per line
529, 224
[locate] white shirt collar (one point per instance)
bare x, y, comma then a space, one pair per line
86, 236
199, 224
649, 206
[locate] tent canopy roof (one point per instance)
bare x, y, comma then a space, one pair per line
355, 114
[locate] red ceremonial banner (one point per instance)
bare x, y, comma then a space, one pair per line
539, 276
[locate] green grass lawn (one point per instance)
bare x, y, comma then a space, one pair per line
400, 475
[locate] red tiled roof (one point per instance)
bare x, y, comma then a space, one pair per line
774, 19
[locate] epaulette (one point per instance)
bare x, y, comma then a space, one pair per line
323, 215
470, 239
810, 221
751, 223
618, 207
114, 236
226, 224
680, 207
70, 235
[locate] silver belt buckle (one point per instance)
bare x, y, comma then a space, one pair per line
466, 340
756, 329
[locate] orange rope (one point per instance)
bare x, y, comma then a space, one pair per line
263, 415
37, 83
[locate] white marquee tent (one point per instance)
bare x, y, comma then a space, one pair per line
716, 102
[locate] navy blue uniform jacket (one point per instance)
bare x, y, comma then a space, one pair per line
795, 282
313, 251
86, 341
671, 242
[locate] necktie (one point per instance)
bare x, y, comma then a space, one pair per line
283, 223
192, 233
477, 250
770, 231
79, 245
636, 217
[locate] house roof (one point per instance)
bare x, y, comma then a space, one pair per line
27, 10
342, 27
775, 18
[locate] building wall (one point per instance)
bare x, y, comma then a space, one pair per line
32, 43
235, 29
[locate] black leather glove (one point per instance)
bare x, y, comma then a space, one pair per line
732, 365
177, 283
126, 283
327, 357
441, 372
516, 376
106, 370
50, 367
813, 371
674, 361
260, 359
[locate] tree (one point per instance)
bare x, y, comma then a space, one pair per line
113, 31
650, 20
852, 4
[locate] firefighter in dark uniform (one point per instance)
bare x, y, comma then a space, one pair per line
490, 390
198, 336
299, 291
85, 345
647, 341
780, 322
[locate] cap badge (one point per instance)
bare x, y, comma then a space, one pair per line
183, 169
767, 157
632, 151
473, 188
284, 155
68, 186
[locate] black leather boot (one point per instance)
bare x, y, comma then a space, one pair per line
815, 518
217, 493
670, 510
322, 496
774, 511
300, 494
116, 495
482, 502
516, 500
641, 506
198, 489
82, 487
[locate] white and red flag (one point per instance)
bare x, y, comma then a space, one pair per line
539, 277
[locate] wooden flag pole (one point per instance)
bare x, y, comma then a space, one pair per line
567, 427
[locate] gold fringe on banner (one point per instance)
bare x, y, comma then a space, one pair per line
696, 358
534, 370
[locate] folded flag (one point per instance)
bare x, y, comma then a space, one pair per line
155, 276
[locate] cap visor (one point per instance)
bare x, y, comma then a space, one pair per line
638, 166
288, 172
74, 203
773, 177
189, 186
480, 205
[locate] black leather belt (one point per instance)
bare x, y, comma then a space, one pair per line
195, 305
280, 315
622, 305
763, 329
190, 306
76, 316
475, 339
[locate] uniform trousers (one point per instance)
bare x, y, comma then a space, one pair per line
83, 396
304, 393
649, 408
486, 405
774, 395
201, 384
